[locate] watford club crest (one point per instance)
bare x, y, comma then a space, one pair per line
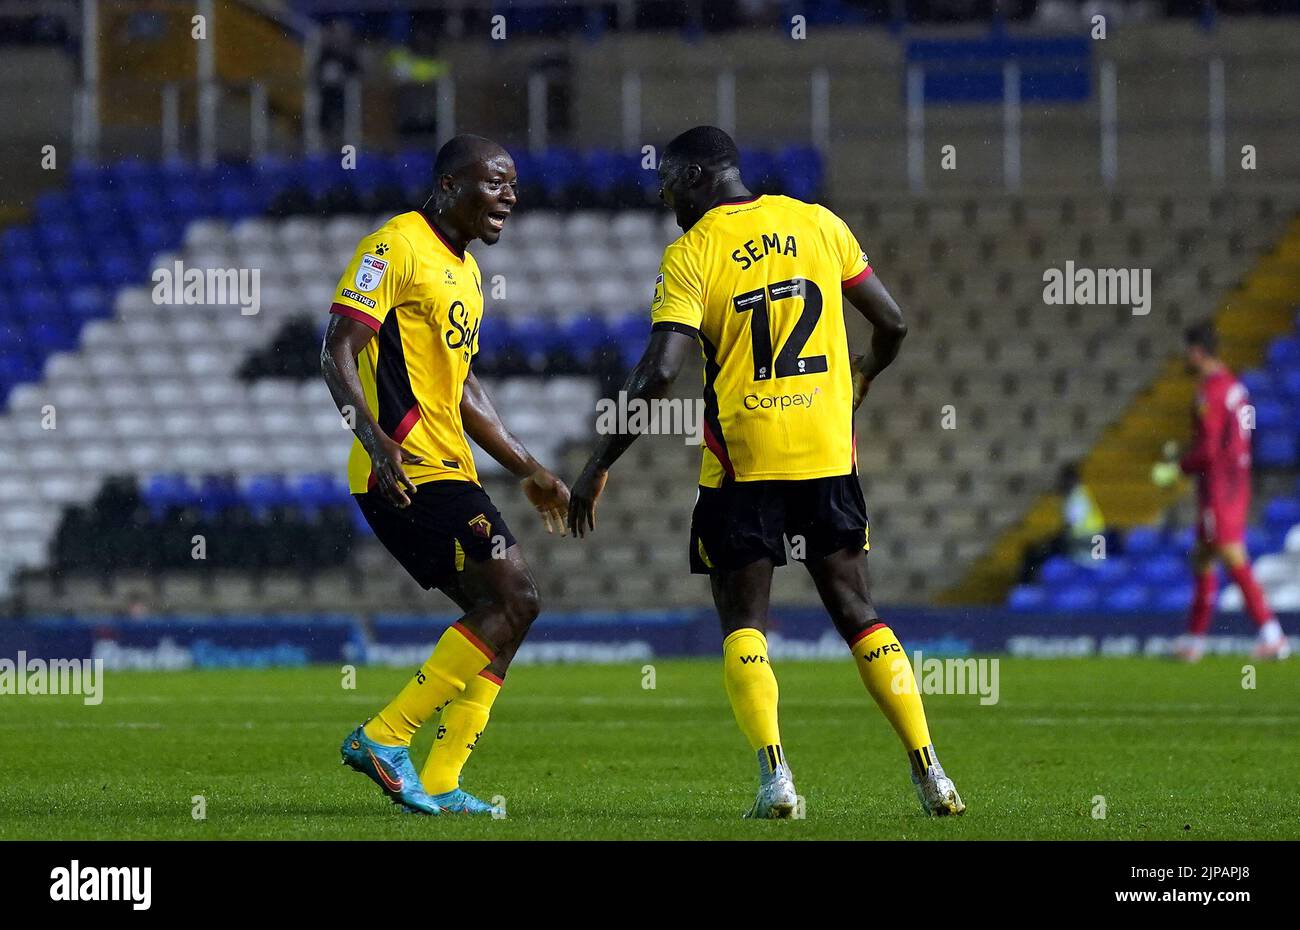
481, 526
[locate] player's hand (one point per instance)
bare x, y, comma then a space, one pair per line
586, 491
861, 383
549, 495
1165, 474
386, 461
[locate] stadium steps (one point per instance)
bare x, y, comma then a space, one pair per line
1118, 468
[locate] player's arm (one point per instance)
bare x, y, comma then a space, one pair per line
870, 298
483, 424
652, 377
345, 337
1209, 435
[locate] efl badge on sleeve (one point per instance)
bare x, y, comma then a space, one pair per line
370, 272
659, 293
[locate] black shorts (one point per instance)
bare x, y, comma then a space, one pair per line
744, 521
447, 522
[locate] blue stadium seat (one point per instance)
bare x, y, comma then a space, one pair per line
1259, 382
630, 334
1172, 598
1281, 513
16, 241
1129, 598
218, 493
1277, 450
761, 171
263, 492
1288, 385
557, 170
1161, 570
54, 334
1058, 570
169, 490
800, 168
59, 235
415, 168
585, 335
88, 303
1027, 598
1270, 414
1074, 598
1260, 540
1284, 354
69, 271
55, 207
1109, 571
1144, 541
314, 492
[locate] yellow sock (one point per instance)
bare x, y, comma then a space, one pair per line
885, 671
751, 688
458, 657
462, 724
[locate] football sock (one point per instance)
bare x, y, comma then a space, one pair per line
456, 659
463, 722
751, 688
1207, 585
888, 676
1251, 592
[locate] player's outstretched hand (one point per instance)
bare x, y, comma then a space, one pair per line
386, 461
586, 491
549, 495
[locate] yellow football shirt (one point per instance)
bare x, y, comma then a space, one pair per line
424, 300
758, 281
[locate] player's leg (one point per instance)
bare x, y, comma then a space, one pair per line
829, 531
1205, 587
741, 598
469, 534
1272, 642
380, 748
736, 541
465, 719
446, 522
844, 585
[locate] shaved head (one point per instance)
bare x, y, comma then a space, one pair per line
463, 151
707, 146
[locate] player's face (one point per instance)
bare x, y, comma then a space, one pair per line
675, 192
1194, 356
490, 193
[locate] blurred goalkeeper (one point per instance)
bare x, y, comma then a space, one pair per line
1220, 459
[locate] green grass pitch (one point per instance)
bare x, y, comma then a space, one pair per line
585, 752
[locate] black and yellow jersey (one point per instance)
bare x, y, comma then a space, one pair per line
424, 300
758, 282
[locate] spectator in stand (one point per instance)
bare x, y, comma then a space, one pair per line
338, 63
1082, 522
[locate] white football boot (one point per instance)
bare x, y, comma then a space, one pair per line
1272, 643
939, 797
776, 799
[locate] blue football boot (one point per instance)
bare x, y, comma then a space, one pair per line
460, 801
390, 768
